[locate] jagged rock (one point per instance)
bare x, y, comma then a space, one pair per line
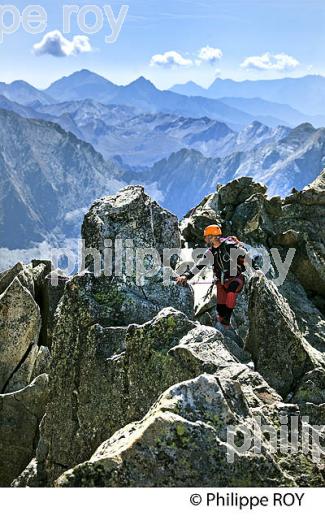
20, 323
42, 362
180, 442
35, 277
130, 215
251, 221
194, 222
113, 375
29, 477
312, 194
238, 191
244, 210
40, 270
30, 275
310, 321
22, 272
304, 213
20, 413
116, 349
310, 396
36, 363
184, 441
22, 303
279, 350
102, 379
23, 375
55, 283
139, 362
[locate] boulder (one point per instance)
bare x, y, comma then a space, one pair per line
189, 439
310, 320
198, 218
22, 272
36, 277
22, 375
310, 396
238, 191
103, 378
304, 213
20, 414
20, 324
279, 350
130, 215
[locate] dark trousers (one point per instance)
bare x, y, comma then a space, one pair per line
227, 297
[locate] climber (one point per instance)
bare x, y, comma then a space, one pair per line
228, 287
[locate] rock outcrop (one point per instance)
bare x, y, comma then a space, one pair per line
280, 352
143, 392
102, 379
182, 441
310, 396
20, 325
194, 222
133, 216
20, 414
191, 437
24, 363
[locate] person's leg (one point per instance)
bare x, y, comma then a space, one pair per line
221, 302
232, 291
221, 309
227, 317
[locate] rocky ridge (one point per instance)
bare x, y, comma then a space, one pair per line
118, 384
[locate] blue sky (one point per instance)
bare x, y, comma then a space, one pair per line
174, 41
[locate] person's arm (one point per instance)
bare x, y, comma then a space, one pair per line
247, 259
188, 275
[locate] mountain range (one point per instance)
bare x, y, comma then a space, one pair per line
48, 177
305, 94
181, 181
85, 137
118, 131
271, 108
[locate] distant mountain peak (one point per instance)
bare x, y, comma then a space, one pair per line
82, 76
84, 73
142, 82
21, 83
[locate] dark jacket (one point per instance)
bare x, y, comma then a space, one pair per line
221, 260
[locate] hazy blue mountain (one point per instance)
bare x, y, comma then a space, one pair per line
280, 111
24, 93
185, 177
48, 178
145, 97
81, 85
143, 139
190, 88
22, 110
305, 94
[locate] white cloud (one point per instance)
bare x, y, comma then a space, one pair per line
270, 61
170, 59
55, 44
209, 55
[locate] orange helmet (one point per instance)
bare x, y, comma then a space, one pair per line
212, 230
